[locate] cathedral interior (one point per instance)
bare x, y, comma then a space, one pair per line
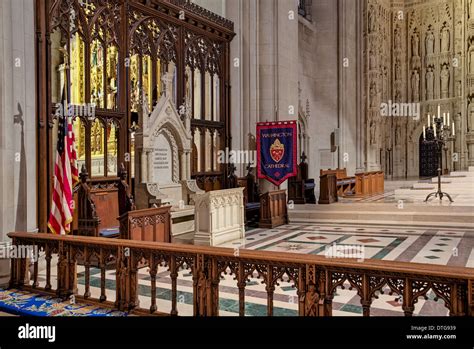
167, 98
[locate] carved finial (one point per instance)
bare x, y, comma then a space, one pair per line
123, 172
303, 157
232, 169
249, 169
84, 175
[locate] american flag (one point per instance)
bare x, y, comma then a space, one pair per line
65, 177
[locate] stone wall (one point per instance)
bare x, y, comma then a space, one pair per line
17, 117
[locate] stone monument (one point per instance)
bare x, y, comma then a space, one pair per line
163, 163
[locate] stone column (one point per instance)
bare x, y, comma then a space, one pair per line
278, 63
361, 158
350, 64
183, 166
144, 166
149, 157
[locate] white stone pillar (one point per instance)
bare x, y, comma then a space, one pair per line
188, 165
143, 166
149, 156
183, 166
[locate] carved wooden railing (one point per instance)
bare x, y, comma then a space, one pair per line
315, 278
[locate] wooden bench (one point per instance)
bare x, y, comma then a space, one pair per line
301, 188
345, 185
364, 185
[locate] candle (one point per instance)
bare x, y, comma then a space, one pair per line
444, 118
424, 132
434, 128
454, 130
439, 111
449, 123
429, 121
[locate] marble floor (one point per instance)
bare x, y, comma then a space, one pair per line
438, 247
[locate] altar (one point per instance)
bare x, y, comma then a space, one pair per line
220, 217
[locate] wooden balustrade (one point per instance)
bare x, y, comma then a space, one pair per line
315, 278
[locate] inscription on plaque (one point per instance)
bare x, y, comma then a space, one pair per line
162, 161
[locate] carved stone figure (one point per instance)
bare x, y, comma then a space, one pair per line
415, 43
373, 132
430, 40
398, 135
398, 39
372, 21
373, 95
445, 39
398, 70
415, 86
445, 76
398, 95
429, 83
372, 61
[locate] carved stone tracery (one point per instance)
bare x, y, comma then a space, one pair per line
426, 47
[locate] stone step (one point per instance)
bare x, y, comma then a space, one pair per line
420, 216
462, 173
454, 180
446, 188
423, 186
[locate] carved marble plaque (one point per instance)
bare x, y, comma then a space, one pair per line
162, 161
